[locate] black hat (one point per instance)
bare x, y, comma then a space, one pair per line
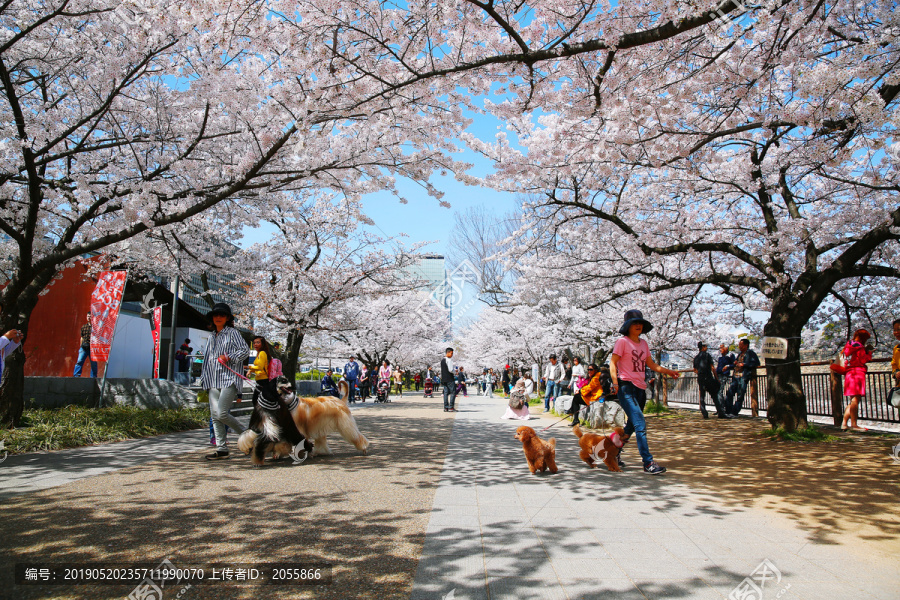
635, 316
220, 308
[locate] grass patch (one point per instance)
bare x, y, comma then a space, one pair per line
75, 426
811, 434
655, 408
536, 402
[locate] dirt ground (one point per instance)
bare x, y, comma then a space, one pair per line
848, 489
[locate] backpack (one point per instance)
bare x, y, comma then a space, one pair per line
275, 369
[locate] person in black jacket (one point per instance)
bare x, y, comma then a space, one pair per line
448, 381
744, 372
706, 379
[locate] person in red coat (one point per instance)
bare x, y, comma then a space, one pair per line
856, 355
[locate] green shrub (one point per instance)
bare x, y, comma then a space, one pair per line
809, 434
655, 408
75, 426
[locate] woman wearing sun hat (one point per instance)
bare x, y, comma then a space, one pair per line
224, 386
630, 358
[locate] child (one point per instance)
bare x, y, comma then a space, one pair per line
631, 355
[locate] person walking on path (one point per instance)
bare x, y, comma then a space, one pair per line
744, 371
724, 369
448, 381
417, 380
630, 356
490, 379
857, 353
84, 350
706, 380
351, 374
552, 373
223, 385
384, 374
461, 382
504, 380
398, 380
259, 370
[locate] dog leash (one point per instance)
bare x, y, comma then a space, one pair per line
557, 423
247, 379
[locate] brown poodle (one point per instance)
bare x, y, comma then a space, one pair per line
540, 454
600, 448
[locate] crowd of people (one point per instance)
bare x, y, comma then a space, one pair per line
727, 379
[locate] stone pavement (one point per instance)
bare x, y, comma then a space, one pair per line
498, 532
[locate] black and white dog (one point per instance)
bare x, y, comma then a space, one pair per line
272, 428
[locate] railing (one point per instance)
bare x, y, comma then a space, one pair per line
818, 390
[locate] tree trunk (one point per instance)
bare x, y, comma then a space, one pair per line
787, 402
292, 354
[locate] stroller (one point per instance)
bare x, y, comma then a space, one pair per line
429, 388
383, 392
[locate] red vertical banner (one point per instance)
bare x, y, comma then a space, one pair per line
106, 300
157, 329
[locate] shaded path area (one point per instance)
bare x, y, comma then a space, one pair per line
365, 514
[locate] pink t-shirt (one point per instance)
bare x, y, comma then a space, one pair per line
632, 361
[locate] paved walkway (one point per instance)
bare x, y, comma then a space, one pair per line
493, 531
498, 532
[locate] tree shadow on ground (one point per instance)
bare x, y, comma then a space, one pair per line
717, 469
366, 515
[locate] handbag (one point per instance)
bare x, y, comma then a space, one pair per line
840, 366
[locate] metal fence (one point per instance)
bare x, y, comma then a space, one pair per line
816, 386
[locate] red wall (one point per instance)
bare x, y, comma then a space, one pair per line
54, 331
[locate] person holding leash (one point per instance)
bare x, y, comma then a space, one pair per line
224, 385
630, 356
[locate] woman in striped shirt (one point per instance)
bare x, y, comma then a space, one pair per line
223, 385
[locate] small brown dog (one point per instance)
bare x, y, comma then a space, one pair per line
600, 448
540, 454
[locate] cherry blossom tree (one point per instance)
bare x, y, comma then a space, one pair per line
758, 166
406, 328
319, 262
122, 118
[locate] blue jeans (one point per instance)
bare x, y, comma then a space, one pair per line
352, 383
83, 355
739, 387
551, 394
449, 395
632, 398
